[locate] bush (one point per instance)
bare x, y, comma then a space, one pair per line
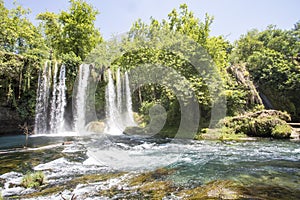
33, 180
265, 123
282, 131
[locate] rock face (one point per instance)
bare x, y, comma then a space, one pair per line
9, 121
241, 74
264, 123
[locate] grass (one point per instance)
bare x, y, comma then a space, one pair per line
33, 179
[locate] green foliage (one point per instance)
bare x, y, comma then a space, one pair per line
71, 35
183, 27
72, 62
282, 131
262, 123
22, 49
33, 180
19, 35
72, 31
271, 57
144, 109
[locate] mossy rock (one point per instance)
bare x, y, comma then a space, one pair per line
135, 130
219, 189
153, 184
156, 175
85, 179
282, 131
264, 123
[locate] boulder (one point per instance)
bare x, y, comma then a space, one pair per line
264, 123
96, 127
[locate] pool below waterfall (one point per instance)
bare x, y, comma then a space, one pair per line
135, 167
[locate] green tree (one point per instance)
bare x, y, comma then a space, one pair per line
71, 35
272, 58
180, 26
73, 31
22, 50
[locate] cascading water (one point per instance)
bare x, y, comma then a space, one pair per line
129, 112
111, 111
119, 90
80, 101
118, 104
55, 124
42, 100
61, 99
53, 101
58, 101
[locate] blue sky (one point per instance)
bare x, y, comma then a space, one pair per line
232, 17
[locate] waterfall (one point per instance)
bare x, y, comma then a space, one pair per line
53, 101
129, 112
111, 111
57, 100
119, 90
118, 104
42, 100
80, 97
61, 99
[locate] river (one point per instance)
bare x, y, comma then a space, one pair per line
268, 169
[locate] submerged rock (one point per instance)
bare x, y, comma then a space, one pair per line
219, 189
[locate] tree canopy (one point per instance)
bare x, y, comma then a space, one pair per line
270, 58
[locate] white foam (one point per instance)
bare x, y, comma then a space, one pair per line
61, 134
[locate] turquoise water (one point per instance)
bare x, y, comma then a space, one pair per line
271, 164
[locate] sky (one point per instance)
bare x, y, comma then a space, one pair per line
232, 18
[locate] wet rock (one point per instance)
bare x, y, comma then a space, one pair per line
135, 130
12, 191
96, 127
9, 121
220, 189
11, 179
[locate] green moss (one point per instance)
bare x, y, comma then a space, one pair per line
158, 174
45, 192
282, 131
232, 136
33, 180
92, 178
85, 179
151, 185
220, 189
156, 189
259, 124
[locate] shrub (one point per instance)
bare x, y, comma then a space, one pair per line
282, 131
264, 123
33, 180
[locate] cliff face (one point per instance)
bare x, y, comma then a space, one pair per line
9, 121
242, 76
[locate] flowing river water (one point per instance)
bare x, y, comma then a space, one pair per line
109, 167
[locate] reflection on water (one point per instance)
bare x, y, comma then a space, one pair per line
261, 163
